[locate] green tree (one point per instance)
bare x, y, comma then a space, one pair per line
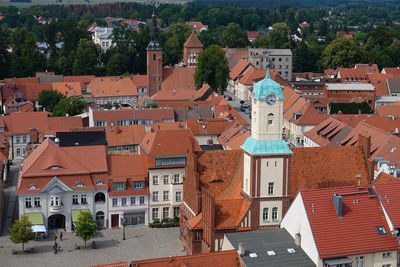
71, 106
234, 36
305, 59
86, 58
117, 64
261, 41
278, 36
212, 68
48, 99
172, 41
85, 226
4, 54
21, 232
342, 52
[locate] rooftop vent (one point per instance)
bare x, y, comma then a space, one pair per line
271, 253
381, 230
253, 255
291, 250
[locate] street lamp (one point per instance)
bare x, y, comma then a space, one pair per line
123, 223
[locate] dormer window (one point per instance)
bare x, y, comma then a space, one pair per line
32, 187
99, 183
79, 184
55, 167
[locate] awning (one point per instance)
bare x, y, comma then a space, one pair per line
36, 218
333, 262
75, 214
39, 229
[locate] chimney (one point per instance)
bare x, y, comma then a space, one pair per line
297, 239
364, 141
338, 204
33, 135
359, 176
241, 249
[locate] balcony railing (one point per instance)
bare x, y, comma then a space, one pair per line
56, 208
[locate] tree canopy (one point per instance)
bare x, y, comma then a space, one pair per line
85, 226
212, 68
21, 232
48, 99
71, 106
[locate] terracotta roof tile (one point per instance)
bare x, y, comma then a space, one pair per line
125, 135
329, 132
112, 86
113, 115
21, 122
84, 80
389, 110
33, 90
321, 167
239, 68
387, 124
210, 126
156, 115
68, 89
291, 97
193, 41
178, 78
395, 71
389, 195
61, 124
196, 25
174, 95
128, 166
355, 234
226, 258
139, 80
115, 264
309, 115
384, 178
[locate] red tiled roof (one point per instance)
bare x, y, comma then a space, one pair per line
239, 68
115, 264
112, 86
228, 258
309, 115
321, 167
128, 166
21, 122
290, 97
84, 80
125, 135
174, 95
139, 80
389, 194
196, 25
252, 35
33, 90
68, 89
208, 126
113, 115
354, 233
28, 106
395, 71
220, 172
378, 80
384, 178
178, 78
389, 110
193, 41
60, 124
156, 115
384, 123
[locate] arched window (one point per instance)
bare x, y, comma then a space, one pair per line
99, 197
99, 182
265, 214
79, 184
270, 115
32, 187
275, 214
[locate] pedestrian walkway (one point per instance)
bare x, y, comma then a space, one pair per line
10, 198
141, 243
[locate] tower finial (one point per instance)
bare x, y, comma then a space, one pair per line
267, 75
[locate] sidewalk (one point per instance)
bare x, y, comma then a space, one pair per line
141, 243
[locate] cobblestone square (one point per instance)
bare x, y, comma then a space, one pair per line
141, 243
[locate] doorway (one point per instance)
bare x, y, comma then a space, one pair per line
56, 221
115, 220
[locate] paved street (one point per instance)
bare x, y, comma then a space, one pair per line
236, 105
141, 243
10, 212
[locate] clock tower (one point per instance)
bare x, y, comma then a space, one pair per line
266, 157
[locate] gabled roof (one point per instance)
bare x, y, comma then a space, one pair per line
33, 90
384, 178
84, 80
390, 198
329, 132
239, 68
112, 86
395, 71
113, 115
193, 41
156, 115
208, 126
21, 122
59, 124
68, 89
321, 167
355, 234
291, 96
178, 79
220, 172
309, 115
227, 258
378, 80
125, 135
139, 80
389, 110
128, 166
384, 123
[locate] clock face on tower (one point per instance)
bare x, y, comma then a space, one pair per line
271, 100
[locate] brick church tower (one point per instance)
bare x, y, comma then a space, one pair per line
266, 158
191, 49
154, 60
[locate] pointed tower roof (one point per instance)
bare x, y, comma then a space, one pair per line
154, 45
267, 86
193, 41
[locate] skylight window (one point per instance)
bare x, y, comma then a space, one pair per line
79, 184
99, 183
381, 230
253, 255
291, 250
271, 253
55, 167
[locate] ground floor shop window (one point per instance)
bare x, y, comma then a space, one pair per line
135, 218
